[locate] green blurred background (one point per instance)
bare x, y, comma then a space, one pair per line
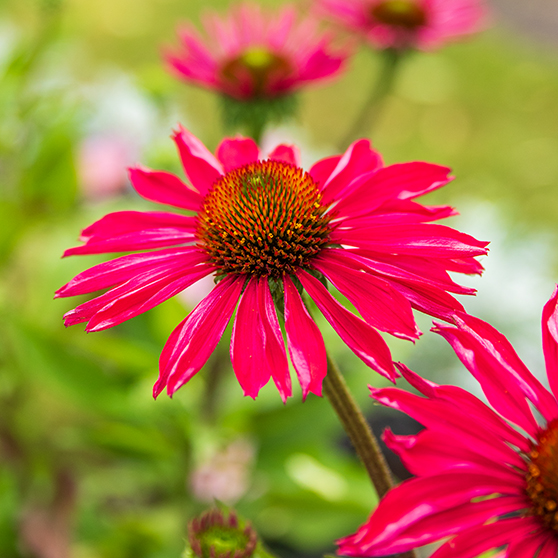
90, 465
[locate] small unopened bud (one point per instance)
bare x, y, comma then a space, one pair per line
218, 534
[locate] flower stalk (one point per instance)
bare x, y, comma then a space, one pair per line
359, 432
368, 115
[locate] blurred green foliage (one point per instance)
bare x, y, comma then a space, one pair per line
90, 464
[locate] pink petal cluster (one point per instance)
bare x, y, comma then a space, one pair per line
479, 480
255, 54
436, 21
382, 253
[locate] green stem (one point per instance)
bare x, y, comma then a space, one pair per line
360, 434
369, 112
256, 130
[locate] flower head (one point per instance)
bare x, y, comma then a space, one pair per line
219, 535
267, 230
251, 55
402, 24
478, 479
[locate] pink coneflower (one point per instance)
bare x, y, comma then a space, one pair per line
252, 54
267, 230
479, 480
402, 24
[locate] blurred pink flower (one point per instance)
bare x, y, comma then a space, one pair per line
479, 480
102, 162
251, 54
269, 230
225, 475
402, 24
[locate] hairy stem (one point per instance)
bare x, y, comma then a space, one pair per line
359, 432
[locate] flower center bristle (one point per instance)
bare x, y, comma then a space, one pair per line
257, 64
542, 477
401, 13
264, 219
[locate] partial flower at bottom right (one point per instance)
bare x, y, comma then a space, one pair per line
480, 482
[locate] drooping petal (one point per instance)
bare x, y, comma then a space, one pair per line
248, 343
550, 548
119, 270
397, 513
127, 231
444, 417
401, 181
164, 187
526, 546
137, 296
466, 402
191, 343
200, 166
500, 379
236, 152
397, 211
550, 340
305, 342
275, 354
381, 305
431, 527
286, 153
361, 338
429, 453
473, 542
437, 241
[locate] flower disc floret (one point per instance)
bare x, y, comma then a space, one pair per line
265, 218
542, 477
401, 13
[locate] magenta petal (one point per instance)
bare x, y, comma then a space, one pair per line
403, 181
361, 338
466, 402
305, 342
191, 343
119, 270
527, 546
550, 340
398, 511
321, 171
164, 187
357, 160
473, 542
248, 343
429, 453
237, 152
437, 241
499, 385
200, 166
430, 528
139, 297
286, 153
550, 548
276, 356
127, 231
381, 305
446, 418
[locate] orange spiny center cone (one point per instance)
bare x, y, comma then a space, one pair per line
265, 219
542, 476
401, 13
